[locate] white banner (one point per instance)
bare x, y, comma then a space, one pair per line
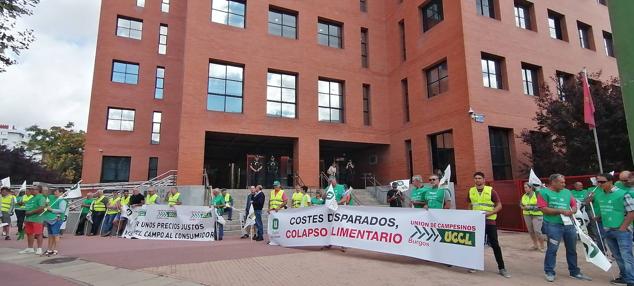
454, 237
162, 222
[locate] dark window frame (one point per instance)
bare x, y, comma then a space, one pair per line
229, 13
367, 107
524, 21
498, 74
284, 17
128, 29
152, 170
328, 34
432, 14
444, 153
435, 78
558, 27
162, 43
330, 107
585, 35
501, 135
402, 42
125, 73
365, 48
563, 80
156, 132
159, 83
282, 102
120, 119
608, 44
487, 10
226, 80
120, 174
363, 6
405, 94
530, 79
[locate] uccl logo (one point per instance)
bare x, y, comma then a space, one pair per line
142, 212
330, 195
276, 224
200, 214
166, 214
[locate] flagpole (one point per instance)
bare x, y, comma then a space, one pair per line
594, 128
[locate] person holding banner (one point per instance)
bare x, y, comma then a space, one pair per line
218, 203
113, 210
120, 221
297, 197
54, 216
339, 190
8, 206
278, 198
152, 197
306, 201
617, 213
20, 211
174, 197
317, 200
533, 217
34, 223
137, 199
417, 193
484, 198
556, 202
436, 197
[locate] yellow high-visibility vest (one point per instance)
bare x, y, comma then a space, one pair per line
6, 203
151, 199
125, 201
482, 201
276, 200
113, 203
98, 205
530, 202
172, 200
297, 199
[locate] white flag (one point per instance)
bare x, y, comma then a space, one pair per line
593, 253
533, 180
23, 187
250, 219
446, 176
74, 192
594, 181
331, 200
6, 182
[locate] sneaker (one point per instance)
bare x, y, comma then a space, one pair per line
7, 238
505, 273
618, 281
550, 277
581, 276
27, 251
38, 252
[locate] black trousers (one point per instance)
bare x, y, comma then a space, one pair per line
97, 218
81, 227
491, 232
20, 215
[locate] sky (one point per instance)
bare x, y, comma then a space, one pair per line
50, 85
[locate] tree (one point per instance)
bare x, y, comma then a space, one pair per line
17, 165
563, 143
12, 41
61, 148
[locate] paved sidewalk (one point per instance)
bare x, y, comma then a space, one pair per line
234, 261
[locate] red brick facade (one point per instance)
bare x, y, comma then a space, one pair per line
460, 38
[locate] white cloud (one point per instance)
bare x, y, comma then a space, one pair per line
51, 83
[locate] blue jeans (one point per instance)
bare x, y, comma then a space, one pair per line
229, 212
555, 233
107, 223
220, 231
258, 224
620, 244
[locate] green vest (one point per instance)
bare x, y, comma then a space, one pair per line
611, 206
418, 195
7, 201
23, 199
556, 200
435, 198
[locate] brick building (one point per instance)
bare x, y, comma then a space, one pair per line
193, 85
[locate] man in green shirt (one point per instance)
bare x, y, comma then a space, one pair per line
617, 214
317, 200
579, 193
339, 191
85, 209
557, 201
218, 203
418, 192
436, 197
623, 178
34, 222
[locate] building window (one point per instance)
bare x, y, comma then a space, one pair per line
330, 101
329, 34
366, 105
408, 158
281, 95
364, 48
225, 88
564, 80
530, 80
282, 23
123, 72
485, 8
556, 25
500, 153
152, 170
129, 28
523, 14
140, 3
156, 127
160, 84
165, 6
432, 14
437, 79
120, 119
608, 43
401, 33
228, 12
442, 153
405, 92
491, 71
363, 5
162, 45
115, 169
585, 35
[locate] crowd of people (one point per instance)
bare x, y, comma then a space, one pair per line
547, 212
